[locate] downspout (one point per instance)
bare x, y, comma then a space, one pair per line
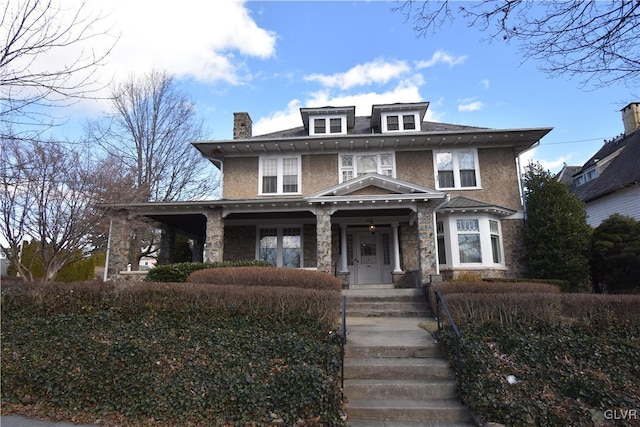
447, 199
221, 169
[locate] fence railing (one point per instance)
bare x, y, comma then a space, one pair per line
440, 303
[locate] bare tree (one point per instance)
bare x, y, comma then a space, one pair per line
47, 195
32, 31
150, 130
598, 41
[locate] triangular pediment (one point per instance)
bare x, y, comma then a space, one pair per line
375, 185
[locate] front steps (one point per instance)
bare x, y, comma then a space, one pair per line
395, 373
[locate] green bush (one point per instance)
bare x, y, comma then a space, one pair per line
172, 353
179, 272
273, 277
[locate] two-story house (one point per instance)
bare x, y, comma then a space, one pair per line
609, 182
385, 198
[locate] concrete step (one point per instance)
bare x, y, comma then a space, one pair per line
397, 368
425, 389
399, 410
386, 312
384, 294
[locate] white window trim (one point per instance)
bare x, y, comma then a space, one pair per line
279, 174
365, 153
327, 118
456, 169
279, 239
452, 248
400, 114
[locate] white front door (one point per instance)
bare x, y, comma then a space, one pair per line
367, 258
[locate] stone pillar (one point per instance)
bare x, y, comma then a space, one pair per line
119, 244
323, 233
214, 243
167, 244
426, 242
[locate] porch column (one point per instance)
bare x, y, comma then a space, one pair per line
119, 245
343, 249
167, 243
426, 242
214, 242
323, 234
396, 248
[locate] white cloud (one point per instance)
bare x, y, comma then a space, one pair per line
553, 165
407, 90
441, 56
471, 106
377, 71
484, 83
198, 39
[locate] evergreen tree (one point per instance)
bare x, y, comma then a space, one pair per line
615, 255
556, 230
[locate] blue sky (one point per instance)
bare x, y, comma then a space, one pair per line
271, 58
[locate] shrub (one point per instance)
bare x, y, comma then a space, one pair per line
503, 287
601, 311
168, 354
179, 272
615, 255
274, 277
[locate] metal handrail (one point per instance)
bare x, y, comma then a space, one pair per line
343, 339
440, 302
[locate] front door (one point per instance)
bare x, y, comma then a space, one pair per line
367, 258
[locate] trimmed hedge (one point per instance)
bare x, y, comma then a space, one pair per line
179, 272
274, 277
169, 354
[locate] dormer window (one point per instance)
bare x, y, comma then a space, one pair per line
405, 122
323, 125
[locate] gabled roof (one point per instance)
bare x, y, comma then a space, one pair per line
623, 171
397, 190
463, 204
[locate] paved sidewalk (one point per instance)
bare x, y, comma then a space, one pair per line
19, 421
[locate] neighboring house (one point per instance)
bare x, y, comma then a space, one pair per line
386, 198
609, 182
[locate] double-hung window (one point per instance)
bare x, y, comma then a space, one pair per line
353, 165
457, 169
469, 241
280, 246
280, 175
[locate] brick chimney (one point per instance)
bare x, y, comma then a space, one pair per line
631, 117
241, 126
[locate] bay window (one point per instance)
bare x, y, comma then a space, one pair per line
471, 241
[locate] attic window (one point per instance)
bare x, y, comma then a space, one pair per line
324, 125
393, 122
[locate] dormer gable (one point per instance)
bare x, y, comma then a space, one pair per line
325, 121
400, 117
